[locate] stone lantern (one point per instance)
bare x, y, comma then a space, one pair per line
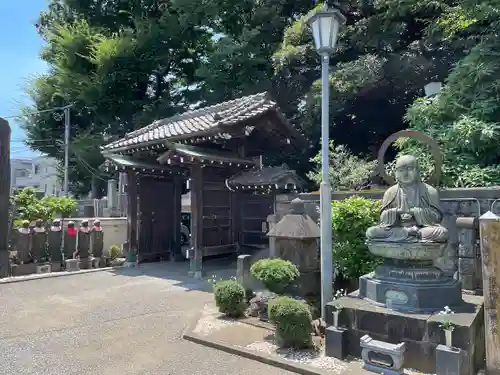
296, 240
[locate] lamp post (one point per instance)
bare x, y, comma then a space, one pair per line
325, 24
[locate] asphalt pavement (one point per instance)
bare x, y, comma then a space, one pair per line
120, 322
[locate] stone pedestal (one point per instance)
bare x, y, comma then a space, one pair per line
72, 265
408, 281
420, 332
296, 240
336, 342
450, 361
43, 268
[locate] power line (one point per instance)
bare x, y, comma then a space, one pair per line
41, 111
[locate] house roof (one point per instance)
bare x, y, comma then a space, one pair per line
199, 122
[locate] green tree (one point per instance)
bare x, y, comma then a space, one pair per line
464, 117
121, 64
385, 55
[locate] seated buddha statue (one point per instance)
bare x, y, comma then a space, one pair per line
410, 209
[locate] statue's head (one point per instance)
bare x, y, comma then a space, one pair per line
85, 223
56, 222
407, 171
71, 224
97, 222
39, 223
25, 224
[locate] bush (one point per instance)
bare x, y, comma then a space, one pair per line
114, 252
276, 274
293, 322
351, 218
230, 298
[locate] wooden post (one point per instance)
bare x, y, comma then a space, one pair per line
4, 196
176, 251
196, 255
489, 225
132, 196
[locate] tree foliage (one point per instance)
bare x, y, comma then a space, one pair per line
29, 206
464, 117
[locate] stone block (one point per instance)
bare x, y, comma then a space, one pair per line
55, 266
450, 361
72, 265
382, 357
43, 268
23, 269
96, 262
336, 342
420, 332
243, 265
85, 263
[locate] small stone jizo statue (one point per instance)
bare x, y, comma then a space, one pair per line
410, 209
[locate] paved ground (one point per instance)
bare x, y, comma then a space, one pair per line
122, 322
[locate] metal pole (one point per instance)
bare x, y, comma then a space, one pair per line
325, 193
66, 173
66, 149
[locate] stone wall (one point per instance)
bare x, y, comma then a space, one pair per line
462, 254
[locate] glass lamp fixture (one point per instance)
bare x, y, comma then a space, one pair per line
325, 24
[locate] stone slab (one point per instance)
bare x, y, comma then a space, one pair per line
420, 332
34, 276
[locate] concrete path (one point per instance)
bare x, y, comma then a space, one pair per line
121, 322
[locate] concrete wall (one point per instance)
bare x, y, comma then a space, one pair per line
462, 254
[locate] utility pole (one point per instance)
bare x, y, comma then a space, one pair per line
66, 148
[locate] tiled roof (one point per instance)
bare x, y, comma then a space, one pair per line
201, 153
265, 176
198, 122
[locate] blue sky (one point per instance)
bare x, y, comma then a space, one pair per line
20, 47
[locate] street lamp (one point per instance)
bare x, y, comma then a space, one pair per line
325, 24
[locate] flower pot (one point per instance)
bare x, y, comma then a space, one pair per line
336, 318
448, 333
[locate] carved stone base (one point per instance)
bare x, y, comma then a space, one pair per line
411, 296
72, 265
43, 268
420, 332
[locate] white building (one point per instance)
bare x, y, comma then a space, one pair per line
39, 173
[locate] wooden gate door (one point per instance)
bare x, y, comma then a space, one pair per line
156, 221
254, 210
217, 213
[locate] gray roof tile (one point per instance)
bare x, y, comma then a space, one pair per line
198, 121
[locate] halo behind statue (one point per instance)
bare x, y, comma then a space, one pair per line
436, 153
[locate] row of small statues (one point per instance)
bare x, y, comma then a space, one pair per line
40, 243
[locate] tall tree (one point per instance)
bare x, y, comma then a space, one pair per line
121, 64
464, 117
383, 60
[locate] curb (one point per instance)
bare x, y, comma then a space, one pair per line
19, 279
245, 353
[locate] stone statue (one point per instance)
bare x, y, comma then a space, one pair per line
39, 242
410, 209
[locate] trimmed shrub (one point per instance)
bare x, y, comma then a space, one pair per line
276, 274
351, 218
114, 252
230, 298
293, 322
